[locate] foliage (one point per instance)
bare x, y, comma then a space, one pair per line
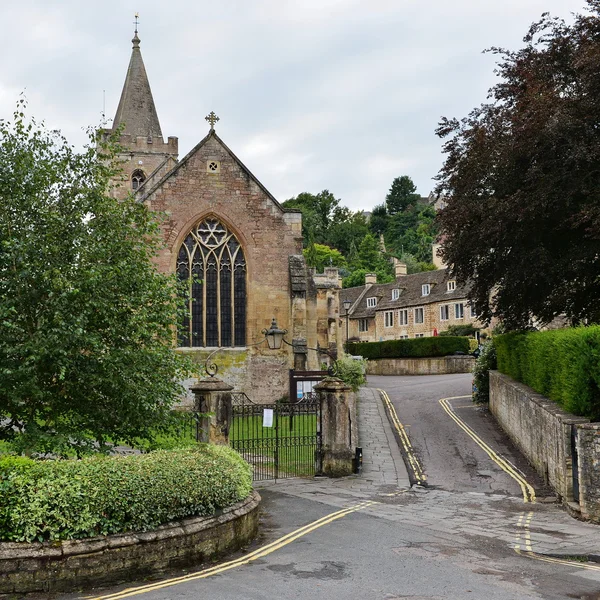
86, 321
415, 266
563, 365
321, 256
522, 180
486, 361
468, 329
412, 231
68, 499
401, 195
357, 277
351, 371
412, 348
319, 212
379, 219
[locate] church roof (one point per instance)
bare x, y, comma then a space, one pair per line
212, 135
136, 108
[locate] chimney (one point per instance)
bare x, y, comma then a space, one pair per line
370, 278
401, 269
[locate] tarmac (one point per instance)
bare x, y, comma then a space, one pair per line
536, 529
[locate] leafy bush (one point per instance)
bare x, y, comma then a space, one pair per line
563, 365
468, 330
351, 371
99, 495
485, 362
414, 348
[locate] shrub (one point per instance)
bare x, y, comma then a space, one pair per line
351, 371
485, 362
468, 330
99, 495
563, 365
414, 348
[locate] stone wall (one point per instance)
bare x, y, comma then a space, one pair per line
68, 565
420, 366
542, 430
588, 451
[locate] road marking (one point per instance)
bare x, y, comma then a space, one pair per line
260, 553
503, 463
415, 465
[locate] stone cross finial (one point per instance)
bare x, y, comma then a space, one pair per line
212, 119
137, 19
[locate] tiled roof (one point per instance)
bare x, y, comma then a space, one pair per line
410, 287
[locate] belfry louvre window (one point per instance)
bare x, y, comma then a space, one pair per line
212, 266
137, 178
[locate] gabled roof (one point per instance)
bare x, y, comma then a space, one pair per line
136, 108
212, 135
410, 287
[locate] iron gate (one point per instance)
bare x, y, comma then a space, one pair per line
279, 440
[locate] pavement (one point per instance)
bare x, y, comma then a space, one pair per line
544, 529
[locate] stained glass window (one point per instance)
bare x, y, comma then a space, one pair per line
212, 266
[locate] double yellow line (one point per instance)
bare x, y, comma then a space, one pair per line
261, 552
415, 465
505, 465
524, 522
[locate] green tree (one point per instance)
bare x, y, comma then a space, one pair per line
319, 212
86, 321
321, 256
523, 184
378, 223
401, 195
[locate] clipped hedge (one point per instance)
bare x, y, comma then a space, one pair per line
66, 499
414, 348
563, 365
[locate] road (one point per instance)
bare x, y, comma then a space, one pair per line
450, 458
364, 538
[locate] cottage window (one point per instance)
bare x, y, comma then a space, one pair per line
212, 266
403, 316
459, 310
425, 289
388, 317
473, 313
419, 315
444, 312
419, 335
363, 325
371, 302
451, 286
395, 294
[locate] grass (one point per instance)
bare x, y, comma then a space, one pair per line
293, 440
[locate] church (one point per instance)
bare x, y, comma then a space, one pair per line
237, 250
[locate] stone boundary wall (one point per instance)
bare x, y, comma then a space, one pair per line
542, 431
588, 452
442, 365
68, 565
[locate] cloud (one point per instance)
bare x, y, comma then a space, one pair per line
336, 94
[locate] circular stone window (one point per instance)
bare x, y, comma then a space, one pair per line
213, 166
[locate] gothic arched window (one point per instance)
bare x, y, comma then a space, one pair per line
137, 178
212, 266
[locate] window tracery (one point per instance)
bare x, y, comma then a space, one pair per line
212, 266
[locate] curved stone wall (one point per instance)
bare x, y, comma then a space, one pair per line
71, 564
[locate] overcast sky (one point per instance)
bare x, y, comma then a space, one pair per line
336, 94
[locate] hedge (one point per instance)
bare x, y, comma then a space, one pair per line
563, 365
413, 348
99, 495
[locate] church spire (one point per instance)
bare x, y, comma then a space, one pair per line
136, 108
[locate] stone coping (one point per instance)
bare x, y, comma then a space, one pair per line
429, 365
68, 564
